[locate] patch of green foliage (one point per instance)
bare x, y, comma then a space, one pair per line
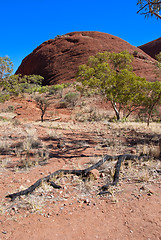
111, 75
56, 89
71, 99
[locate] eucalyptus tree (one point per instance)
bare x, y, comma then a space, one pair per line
110, 74
6, 67
150, 8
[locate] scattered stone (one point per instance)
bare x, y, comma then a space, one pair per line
133, 151
62, 182
28, 181
102, 175
87, 201
15, 181
95, 174
150, 192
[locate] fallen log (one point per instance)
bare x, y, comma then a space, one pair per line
83, 173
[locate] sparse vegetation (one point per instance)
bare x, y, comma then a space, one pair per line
43, 104
56, 90
118, 84
71, 99
72, 138
6, 68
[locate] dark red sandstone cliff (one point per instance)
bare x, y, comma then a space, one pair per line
57, 60
152, 48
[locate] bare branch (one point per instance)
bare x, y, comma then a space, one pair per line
142, 8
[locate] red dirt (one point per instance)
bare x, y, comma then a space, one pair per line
132, 211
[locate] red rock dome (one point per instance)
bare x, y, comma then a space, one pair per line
57, 60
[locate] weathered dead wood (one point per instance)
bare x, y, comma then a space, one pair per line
84, 173
160, 147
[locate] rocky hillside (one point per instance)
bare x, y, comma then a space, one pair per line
57, 60
152, 48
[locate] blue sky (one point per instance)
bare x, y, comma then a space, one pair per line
27, 24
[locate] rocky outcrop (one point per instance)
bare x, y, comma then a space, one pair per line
57, 60
152, 48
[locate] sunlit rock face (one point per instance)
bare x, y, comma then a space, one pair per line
57, 60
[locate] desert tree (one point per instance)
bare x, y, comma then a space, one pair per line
42, 103
110, 74
150, 8
152, 98
17, 84
6, 67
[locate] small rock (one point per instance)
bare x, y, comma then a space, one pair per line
150, 192
133, 151
102, 175
62, 182
87, 201
94, 173
142, 188
16, 181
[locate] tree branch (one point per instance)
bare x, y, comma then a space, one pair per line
84, 172
150, 5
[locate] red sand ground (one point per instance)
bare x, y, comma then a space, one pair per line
132, 212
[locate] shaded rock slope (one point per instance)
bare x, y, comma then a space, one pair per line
57, 60
152, 48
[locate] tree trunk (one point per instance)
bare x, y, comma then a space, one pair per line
116, 111
152, 107
42, 117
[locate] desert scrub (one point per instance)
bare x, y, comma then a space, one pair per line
53, 134
42, 103
138, 126
10, 108
4, 163
56, 90
90, 114
151, 150
31, 152
70, 99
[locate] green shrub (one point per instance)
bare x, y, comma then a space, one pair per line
4, 97
71, 99
56, 89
